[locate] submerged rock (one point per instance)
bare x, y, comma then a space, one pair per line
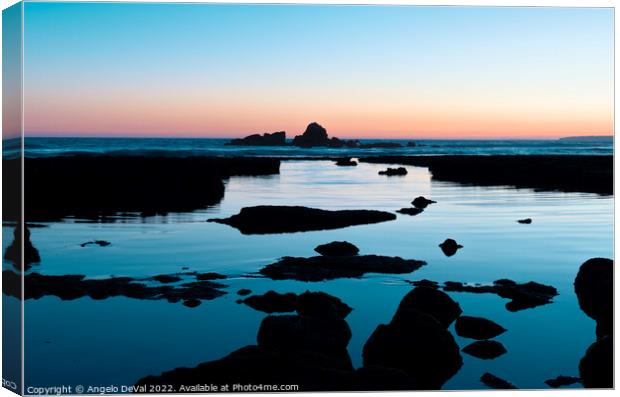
101, 243
394, 171
595, 292
525, 221
422, 202
477, 328
346, 162
485, 349
337, 248
522, 296
410, 211
562, 381
319, 268
449, 247
430, 301
596, 368
266, 219
267, 139
494, 382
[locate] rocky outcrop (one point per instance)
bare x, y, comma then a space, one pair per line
267, 139
319, 268
315, 135
266, 219
337, 248
596, 368
595, 292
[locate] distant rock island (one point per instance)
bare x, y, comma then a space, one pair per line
314, 136
594, 138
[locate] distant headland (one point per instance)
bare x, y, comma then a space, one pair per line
314, 136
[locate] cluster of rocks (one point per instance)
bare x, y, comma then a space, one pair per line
419, 204
315, 135
483, 330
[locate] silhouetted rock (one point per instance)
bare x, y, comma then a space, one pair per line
477, 328
191, 303
102, 187
562, 381
525, 221
337, 248
13, 252
267, 139
266, 219
346, 162
69, 287
417, 344
571, 173
494, 382
410, 211
166, 279
430, 301
596, 368
449, 247
422, 202
272, 302
244, 292
485, 349
319, 268
209, 276
320, 304
315, 135
394, 171
595, 292
522, 296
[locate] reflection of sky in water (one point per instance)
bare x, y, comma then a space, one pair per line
119, 340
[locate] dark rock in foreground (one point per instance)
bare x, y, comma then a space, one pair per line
595, 292
69, 287
267, 139
266, 219
523, 296
337, 248
570, 173
417, 344
477, 328
562, 381
319, 268
410, 211
13, 252
449, 247
525, 221
485, 349
422, 202
394, 171
596, 368
494, 382
430, 301
346, 162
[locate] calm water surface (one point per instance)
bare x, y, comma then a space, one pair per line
119, 340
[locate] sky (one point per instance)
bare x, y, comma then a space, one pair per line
200, 70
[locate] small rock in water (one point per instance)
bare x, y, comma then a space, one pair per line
165, 279
394, 171
449, 247
337, 248
562, 381
191, 303
525, 221
496, 383
422, 202
273, 302
210, 276
346, 162
477, 328
410, 211
244, 292
101, 243
485, 349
